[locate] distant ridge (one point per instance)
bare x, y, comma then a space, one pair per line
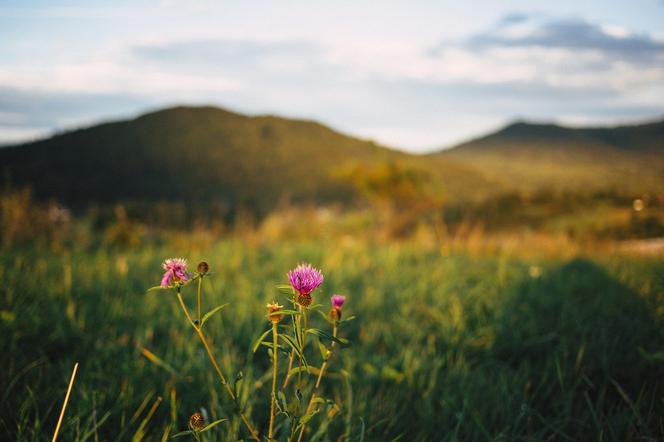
645, 136
206, 155
529, 156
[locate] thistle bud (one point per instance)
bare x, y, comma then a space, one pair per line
272, 312
335, 314
203, 268
197, 421
335, 311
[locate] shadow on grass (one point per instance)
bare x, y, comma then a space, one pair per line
588, 344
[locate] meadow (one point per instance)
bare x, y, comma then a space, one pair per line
446, 344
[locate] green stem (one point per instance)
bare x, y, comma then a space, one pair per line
273, 403
200, 283
254, 434
290, 366
320, 377
296, 327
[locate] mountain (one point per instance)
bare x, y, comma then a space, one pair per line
208, 155
527, 156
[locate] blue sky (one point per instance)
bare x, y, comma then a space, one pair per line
416, 75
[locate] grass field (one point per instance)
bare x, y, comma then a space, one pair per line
444, 347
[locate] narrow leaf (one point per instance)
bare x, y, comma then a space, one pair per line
295, 348
325, 335
309, 369
323, 350
213, 424
157, 287
158, 361
259, 340
209, 314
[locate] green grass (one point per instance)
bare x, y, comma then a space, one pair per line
444, 347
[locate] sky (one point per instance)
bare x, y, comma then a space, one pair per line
414, 75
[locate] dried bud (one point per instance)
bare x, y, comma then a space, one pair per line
272, 312
303, 299
197, 421
203, 267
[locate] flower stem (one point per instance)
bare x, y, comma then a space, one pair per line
290, 366
273, 403
320, 376
254, 434
296, 328
200, 283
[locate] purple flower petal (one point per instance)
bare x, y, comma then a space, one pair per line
338, 301
305, 279
176, 271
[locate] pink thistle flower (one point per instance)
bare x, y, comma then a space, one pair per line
176, 272
305, 279
338, 301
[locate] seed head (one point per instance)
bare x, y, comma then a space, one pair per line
197, 421
202, 268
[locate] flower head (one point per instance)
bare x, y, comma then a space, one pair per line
337, 303
176, 272
305, 279
197, 421
272, 312
203, 267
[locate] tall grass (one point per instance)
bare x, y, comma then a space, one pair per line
445, 347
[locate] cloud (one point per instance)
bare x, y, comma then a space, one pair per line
521, 30
27, 113
399, 92
223, 50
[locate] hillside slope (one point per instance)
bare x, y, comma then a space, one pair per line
531, 156
203, 155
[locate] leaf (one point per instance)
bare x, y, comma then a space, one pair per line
238, 378
212, 425
182, 433
325, 335
308, 369
282, 404
259, 340
157, 287
212, 312
295, 347
281, 348
288, 312
323, 315
286, 289
307, 417
323, 350
158, 361
348, 319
